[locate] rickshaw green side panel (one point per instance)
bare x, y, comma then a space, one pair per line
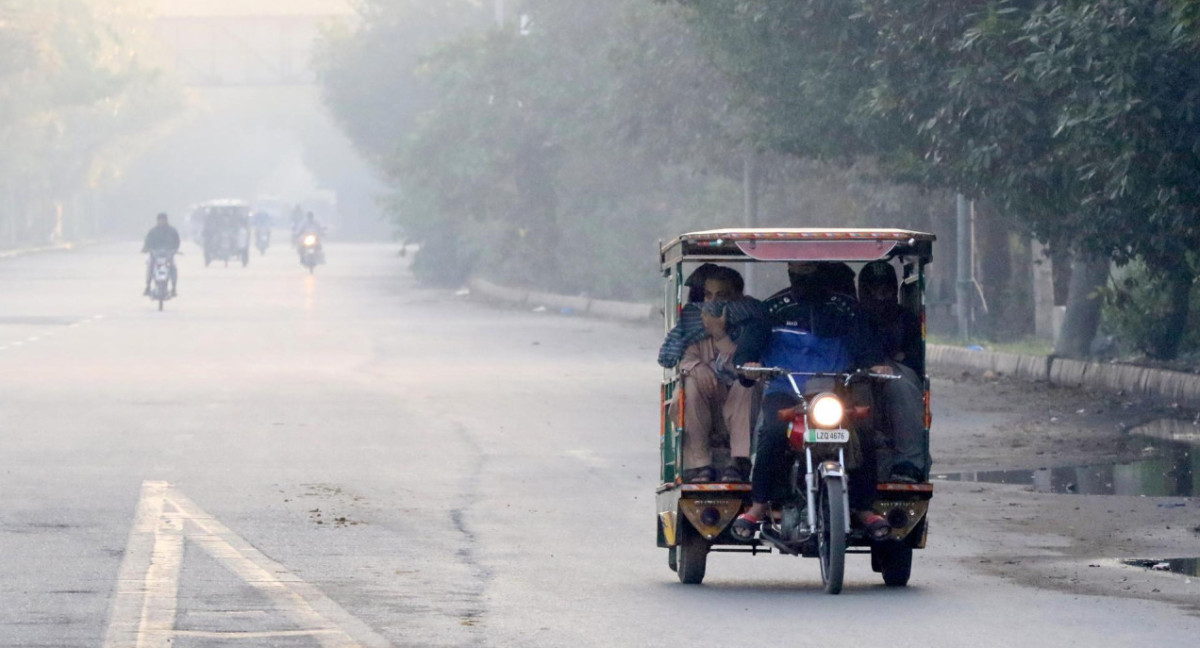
669, 434
669, 437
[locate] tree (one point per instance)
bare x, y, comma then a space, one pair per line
557, 170
72, 97
1075, 118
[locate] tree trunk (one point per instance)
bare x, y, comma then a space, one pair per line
1083, 308
1060, 267
1179, 283
538, 205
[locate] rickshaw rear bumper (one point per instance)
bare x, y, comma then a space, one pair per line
708, 508
905, 507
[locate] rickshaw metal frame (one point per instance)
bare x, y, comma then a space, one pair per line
774, 245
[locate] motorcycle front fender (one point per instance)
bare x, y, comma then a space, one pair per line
831, 469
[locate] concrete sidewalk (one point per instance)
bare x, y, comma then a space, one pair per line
61, 247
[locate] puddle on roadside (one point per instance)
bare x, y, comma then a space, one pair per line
1170, 468
1185, 566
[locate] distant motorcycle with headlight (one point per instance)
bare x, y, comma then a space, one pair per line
160, 275
262, 239
311, 253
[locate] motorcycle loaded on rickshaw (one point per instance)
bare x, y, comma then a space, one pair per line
834, 437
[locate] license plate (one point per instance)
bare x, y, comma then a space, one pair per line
826, 436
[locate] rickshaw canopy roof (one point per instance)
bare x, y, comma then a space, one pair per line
796, 244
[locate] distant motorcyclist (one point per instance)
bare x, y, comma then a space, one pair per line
309, 225
261, 220
297, 217
161, 238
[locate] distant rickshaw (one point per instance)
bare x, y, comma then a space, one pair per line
830, 434
226, 231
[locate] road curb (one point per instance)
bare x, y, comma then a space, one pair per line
62, 247
577, 305
1157, 384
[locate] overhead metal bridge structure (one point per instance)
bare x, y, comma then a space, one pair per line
253, 43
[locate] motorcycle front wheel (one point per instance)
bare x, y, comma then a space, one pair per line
831, 533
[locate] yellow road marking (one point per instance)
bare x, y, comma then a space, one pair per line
146, 599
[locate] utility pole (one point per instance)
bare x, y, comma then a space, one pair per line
750, 186
965, 284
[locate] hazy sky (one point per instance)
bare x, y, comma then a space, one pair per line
254, 7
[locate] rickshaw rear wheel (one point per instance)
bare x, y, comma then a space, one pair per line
894, 561
673, 559
831, 534
691, 555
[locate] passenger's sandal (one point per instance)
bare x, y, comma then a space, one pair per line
745, 526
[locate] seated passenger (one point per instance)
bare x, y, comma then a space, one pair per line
902, 402
732, 329
816, 327
689, 328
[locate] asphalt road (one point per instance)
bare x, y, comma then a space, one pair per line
347, 459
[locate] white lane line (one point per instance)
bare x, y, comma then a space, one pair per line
32, 339
147, 590
162, 584
18, 343
125, 623
252, 635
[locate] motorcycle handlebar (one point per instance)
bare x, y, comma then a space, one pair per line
759, 373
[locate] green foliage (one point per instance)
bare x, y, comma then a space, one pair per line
73, 95
1077, 118
539, 167
799, 67
1138, 306
370, 75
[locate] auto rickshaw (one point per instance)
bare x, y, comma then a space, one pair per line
695, 519
226, 231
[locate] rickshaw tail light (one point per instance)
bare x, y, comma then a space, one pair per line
928, 411
826, 411
860, 412
795, 433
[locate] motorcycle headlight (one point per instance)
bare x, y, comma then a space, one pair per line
310, 240
826, 411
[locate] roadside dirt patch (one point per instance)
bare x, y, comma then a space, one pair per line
1067, 542
1003, 423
